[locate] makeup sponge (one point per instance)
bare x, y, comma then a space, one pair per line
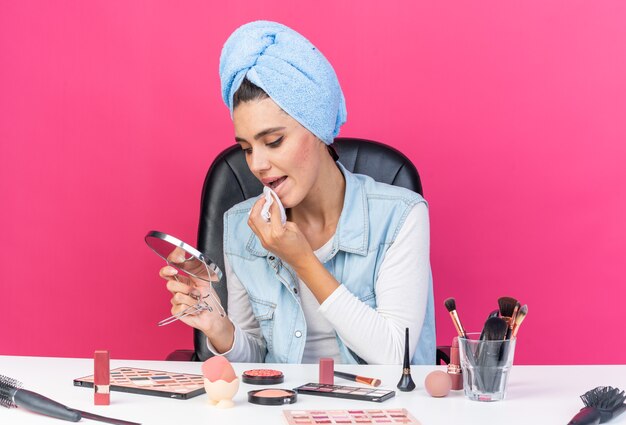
218, 368
438, 383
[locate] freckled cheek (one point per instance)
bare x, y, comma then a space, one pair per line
301, 156
303, 162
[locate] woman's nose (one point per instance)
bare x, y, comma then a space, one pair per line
259, 161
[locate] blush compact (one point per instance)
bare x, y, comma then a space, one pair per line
262, 377
272, 397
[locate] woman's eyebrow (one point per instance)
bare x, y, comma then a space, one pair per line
260, 134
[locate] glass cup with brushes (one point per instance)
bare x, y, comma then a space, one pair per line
487, 357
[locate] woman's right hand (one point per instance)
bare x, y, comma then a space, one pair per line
185, 293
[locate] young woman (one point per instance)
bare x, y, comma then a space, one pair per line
349, 269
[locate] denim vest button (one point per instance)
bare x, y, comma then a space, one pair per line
295, 290
271, 258
298, 334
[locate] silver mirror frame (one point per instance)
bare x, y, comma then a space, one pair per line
188, 249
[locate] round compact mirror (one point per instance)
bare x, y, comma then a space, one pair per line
183, 257
190, 263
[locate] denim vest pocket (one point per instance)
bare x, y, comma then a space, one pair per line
367, 297
264, 314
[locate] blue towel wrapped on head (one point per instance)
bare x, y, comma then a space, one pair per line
290, 70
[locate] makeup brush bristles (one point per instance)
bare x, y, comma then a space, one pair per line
507, 306
450, 304
6, 386
495, 329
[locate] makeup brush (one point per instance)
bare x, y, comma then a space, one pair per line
494, 329
374, 382
489, 354
450, 304
406, 382
12, 395
506, 305
512, 322
519, 318
494, 313
601, 405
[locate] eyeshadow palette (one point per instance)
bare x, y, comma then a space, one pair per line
151, 382
314, 417
339, 391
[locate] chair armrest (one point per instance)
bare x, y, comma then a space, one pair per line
443, 354
180, 356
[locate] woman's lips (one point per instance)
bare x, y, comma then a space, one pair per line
273, 185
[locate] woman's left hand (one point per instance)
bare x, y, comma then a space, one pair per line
285, 241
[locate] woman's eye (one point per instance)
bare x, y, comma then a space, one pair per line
247, 151
276, 143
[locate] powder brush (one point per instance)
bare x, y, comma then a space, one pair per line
489, 354
601, 405
450, 304
506, 306
494, 329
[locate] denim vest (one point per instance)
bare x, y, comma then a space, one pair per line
370, 220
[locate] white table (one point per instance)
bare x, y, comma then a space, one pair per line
536, 394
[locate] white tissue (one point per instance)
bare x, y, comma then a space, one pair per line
269, 200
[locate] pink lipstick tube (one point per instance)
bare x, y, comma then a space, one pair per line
101, 378
454, 367
327, 371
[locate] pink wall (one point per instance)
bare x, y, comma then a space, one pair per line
514, 112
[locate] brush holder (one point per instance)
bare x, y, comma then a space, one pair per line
486, 366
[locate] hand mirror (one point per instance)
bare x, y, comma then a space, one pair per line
192, 264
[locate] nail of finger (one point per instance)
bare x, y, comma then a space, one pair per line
175, 286
169, 270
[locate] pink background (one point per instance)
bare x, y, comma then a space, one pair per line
514, 113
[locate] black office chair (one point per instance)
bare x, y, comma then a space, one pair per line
229, 181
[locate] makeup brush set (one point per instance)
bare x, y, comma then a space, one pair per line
502, 323
489, 355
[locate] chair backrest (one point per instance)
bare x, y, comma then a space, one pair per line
229, 181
